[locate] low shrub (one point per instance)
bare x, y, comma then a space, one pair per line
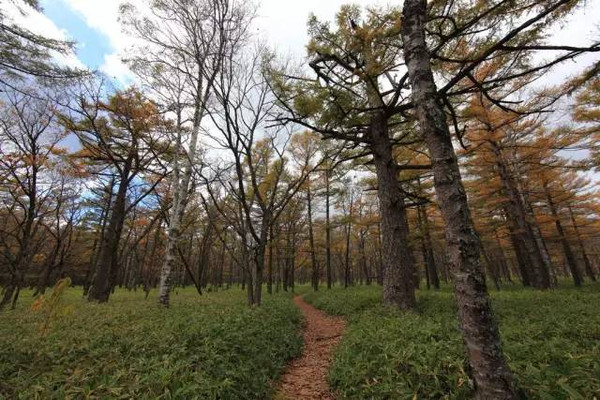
209, 347
551, 340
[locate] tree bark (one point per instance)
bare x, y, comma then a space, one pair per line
492, 377
427, 247
586, 260
311, 240
569, 256
398, 265
270, 263
101, 287
534, 268
328, 229
180, 189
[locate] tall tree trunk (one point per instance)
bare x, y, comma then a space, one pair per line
180, 189
502, 257
328, 229
347, 256
398, 266
270, 263
586, 260
427, 246
379, 255
363, 258
518, 217
493, 379
547, 271
569, 256
101, 284
259, 265
311, 240
520, 255
24, 254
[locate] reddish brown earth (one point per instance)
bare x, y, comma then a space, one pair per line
306, 376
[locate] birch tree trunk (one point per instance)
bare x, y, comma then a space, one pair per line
493, 379
180, 192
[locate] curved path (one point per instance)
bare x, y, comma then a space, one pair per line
306, 376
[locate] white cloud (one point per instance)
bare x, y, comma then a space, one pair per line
114, 68
283, 23
102, 16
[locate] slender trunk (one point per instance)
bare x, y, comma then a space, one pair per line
586, 260
502, 257
328, 230
428, 256
493, 379
259, 264
181, 189
270, 263
24, 255
311, 239
492, 270
548, 274
347, 253
517, 215
363, 258
379, 255
569, 256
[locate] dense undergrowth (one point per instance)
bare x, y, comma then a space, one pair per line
209, 347
551, 339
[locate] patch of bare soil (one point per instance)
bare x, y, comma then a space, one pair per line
306, 376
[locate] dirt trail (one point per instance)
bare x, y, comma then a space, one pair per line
306, 376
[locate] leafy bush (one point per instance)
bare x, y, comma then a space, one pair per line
551, 339
209, 347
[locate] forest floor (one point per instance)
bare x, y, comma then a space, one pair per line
216, 347
203, 347
551, 340
306, 376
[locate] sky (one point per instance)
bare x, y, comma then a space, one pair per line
94, 25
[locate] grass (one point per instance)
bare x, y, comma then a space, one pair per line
551, 340
209, 347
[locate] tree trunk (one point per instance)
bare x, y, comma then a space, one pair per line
537, 275
101, 287
398, 266
347, 255
270, 263
586, 260
569, 256
44, 278
311, 239
493, 379
328, 230
363, 258
181, 189
428, 257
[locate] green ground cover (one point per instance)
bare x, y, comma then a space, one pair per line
551, 339
209, 347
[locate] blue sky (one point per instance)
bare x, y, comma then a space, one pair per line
92, 44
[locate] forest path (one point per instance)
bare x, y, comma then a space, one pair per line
306, 376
